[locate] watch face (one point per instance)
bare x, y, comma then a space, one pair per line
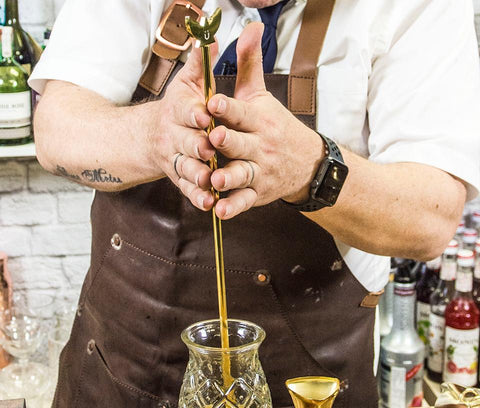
334, 175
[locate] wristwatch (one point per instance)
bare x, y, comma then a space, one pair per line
328, 181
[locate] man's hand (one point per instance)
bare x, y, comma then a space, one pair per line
183, 145
273, 154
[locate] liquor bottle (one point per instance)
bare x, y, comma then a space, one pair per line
402, 352
26, 51
439, 300
425, 287
5, 300
385, 305
15, 96
461, 327
476, 275
470, 235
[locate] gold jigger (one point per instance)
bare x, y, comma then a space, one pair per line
312, 392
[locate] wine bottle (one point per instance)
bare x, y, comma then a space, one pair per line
425, 287
462, 327
26, 51
402, 352
15, 96
439, 300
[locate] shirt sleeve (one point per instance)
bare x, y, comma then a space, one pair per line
424, 90
101, 45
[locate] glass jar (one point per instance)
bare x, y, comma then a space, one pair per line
224, 377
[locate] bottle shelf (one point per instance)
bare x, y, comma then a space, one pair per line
27, 150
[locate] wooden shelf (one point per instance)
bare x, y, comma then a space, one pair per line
27, 150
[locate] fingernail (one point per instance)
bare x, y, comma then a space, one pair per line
200, 201
226, 179
194, 120
197, 179
222, 106
227, 211
197, 151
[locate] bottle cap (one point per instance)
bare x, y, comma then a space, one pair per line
452, 248
465, 258
404, 272
460, 228
435, 263
470, 235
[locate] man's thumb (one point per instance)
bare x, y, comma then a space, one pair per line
249, 62
193, 68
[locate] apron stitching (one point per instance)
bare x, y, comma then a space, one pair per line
193, 265
80, 381
100, 265
295, 335
127, 386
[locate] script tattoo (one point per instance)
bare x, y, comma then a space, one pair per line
100, 176
62, 171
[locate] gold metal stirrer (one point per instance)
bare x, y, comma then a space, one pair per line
204, 32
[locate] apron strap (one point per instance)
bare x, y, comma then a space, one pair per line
172, 40
172, 36
302, 81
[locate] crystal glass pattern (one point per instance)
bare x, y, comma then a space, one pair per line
224, 378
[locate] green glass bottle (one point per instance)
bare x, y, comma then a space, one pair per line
26, 51
15, 95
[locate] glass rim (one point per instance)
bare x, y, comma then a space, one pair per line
230, 350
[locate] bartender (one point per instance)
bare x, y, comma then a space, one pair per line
391, 111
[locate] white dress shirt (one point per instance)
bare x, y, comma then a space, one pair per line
397, 80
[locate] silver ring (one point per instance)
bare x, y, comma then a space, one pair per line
175, 163
253, 171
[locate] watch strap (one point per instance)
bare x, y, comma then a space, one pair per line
311, 204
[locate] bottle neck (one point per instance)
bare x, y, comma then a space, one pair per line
11, 13
464, 281
404, 307
449, 268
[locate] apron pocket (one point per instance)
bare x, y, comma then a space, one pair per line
100, 388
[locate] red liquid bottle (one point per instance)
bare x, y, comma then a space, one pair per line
461, 327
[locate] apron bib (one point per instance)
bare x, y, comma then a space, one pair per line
152, 274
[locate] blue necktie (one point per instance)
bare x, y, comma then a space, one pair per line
227, 64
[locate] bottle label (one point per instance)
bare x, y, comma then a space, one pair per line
423, 320
401, 387
461, 356
448, 271
15, 113
437, 342
464, 281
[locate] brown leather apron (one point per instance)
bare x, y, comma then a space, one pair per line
153, 273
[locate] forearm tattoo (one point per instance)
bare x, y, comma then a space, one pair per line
92, 176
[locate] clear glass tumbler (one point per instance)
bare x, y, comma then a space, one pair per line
224, 378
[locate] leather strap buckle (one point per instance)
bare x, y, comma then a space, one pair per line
159, 33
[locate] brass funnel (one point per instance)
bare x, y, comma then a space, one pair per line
313, 392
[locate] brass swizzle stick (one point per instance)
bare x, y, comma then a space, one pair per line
204, 33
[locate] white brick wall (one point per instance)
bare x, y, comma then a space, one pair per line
44, 227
